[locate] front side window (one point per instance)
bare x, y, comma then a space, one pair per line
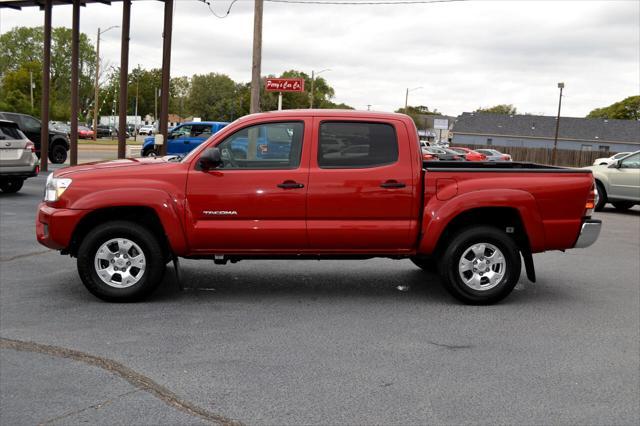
264, 146
181, 132
631, 162
356, 145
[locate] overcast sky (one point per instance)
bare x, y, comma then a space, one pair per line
463, 54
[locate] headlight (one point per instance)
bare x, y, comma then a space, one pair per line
55, 187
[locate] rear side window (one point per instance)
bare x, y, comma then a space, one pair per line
356, 145
9, 132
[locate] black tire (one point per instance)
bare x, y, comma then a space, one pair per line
460, 244
58, 154
149, 152
426, 264
623, 205
150, 246
11, 185
602, 196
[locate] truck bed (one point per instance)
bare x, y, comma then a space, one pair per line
497, 166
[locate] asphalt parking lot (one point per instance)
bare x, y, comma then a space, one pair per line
331, 342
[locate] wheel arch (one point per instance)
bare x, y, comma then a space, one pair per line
141, 215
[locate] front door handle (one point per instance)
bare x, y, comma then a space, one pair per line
391, 183
290, 184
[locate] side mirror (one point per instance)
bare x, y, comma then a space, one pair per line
615, 165
210, 159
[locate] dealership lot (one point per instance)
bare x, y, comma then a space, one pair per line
273, 342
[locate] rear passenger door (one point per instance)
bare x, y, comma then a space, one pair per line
361, 187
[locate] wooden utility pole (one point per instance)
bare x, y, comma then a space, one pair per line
257, 57
95, 89
46, 74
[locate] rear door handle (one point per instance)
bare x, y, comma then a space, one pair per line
392, 184
290, 184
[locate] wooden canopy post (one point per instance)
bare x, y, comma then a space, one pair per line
166, 73
124, 73
75, 60
46, 75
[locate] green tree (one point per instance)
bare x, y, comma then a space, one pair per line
214, 97
626, 109
22, 48
418, 114
506, 109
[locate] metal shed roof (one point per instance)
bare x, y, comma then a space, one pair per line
541, 126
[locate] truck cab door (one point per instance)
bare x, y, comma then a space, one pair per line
251, 204
363, 187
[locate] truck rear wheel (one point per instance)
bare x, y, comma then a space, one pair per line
481, 265
120, 261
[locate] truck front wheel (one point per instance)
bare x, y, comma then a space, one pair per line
120, 261
481, 265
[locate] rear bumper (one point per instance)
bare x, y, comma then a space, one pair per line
588, 233
54, 227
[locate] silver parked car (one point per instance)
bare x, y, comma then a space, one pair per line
619, 183
609, 160
18, 159
493, 155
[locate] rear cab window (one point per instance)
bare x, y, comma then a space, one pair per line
356, 145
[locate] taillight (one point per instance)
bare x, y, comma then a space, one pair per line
483, 157
506, 157
456, 157
591, 201
428, 157
29, 146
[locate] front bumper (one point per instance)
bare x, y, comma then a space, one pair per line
588, 233
55, 227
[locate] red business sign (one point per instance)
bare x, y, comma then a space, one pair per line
285, 85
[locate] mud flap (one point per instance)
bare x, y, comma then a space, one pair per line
176, 268
528, 264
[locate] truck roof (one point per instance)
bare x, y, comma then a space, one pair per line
348, 113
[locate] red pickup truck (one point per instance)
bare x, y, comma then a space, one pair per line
320, 184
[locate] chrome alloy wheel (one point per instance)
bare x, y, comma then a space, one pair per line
482, 266
120, 263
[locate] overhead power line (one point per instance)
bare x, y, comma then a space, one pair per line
363, 3
208, 3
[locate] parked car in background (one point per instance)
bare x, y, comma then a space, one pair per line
469, 154
18, 160
184, 138
85, 132
60, 127
31, 126
444, 154
147, 129
105, 131
618, 183
610, 160
493, 155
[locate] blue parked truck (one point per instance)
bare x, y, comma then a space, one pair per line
184, 137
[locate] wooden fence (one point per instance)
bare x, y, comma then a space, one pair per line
568, 158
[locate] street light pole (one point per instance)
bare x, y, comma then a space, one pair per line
313, 81
554, 154
406, 97
96, 87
